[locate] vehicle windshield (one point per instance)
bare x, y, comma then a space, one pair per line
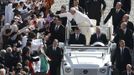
87, 55
86, 50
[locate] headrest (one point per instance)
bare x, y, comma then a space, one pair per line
99, 44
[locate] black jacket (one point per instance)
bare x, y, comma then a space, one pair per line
64, 19
54, 55
121, 60
126, 5
94, 8
116, 17
102, 38
127, 37
58, 34
80, 40
81, 6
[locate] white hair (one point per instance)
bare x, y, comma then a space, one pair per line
73, 9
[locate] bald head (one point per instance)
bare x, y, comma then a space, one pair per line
55, 43
128, 67
72, 11
118, 5
123, 25
125, 18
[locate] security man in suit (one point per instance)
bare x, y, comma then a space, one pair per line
117, 13
55, 54
121, 57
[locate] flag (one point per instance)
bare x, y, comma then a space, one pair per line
41, 65
44, 64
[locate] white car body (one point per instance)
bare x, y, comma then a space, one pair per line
86, 61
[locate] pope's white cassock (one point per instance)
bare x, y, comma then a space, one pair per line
8, 13
82, 21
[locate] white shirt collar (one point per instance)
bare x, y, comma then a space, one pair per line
125, 30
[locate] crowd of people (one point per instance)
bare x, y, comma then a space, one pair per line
30, 34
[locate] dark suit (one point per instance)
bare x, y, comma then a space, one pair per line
126, 5
59, 33
80, 40
125, 73
81, 6
71, 2
94, 9
80, 9
25, 55
64, 19
102, 38
127, 37
82, 3
56, 57
130, 25
9, 58
121, 60
116, 17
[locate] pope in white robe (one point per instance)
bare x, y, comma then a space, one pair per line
82, 20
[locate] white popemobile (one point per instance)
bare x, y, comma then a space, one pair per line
83, 60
